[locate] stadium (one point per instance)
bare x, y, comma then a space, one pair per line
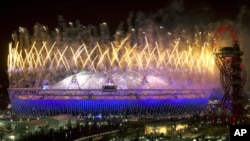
72, 70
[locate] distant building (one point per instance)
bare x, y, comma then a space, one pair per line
30, 127
165, 128
58, 121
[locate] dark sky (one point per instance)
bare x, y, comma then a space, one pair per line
15, 13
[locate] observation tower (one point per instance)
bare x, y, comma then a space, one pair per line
233, 77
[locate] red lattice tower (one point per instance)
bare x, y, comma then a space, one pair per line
232, 75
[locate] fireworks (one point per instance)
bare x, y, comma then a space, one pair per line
160, 59
154, 70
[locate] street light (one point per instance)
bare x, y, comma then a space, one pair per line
12, 137
99, 125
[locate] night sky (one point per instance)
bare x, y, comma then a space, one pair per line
14, 13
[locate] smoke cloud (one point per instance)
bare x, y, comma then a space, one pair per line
177, 20
203, 19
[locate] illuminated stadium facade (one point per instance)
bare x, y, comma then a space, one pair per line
74, 71
37, 102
